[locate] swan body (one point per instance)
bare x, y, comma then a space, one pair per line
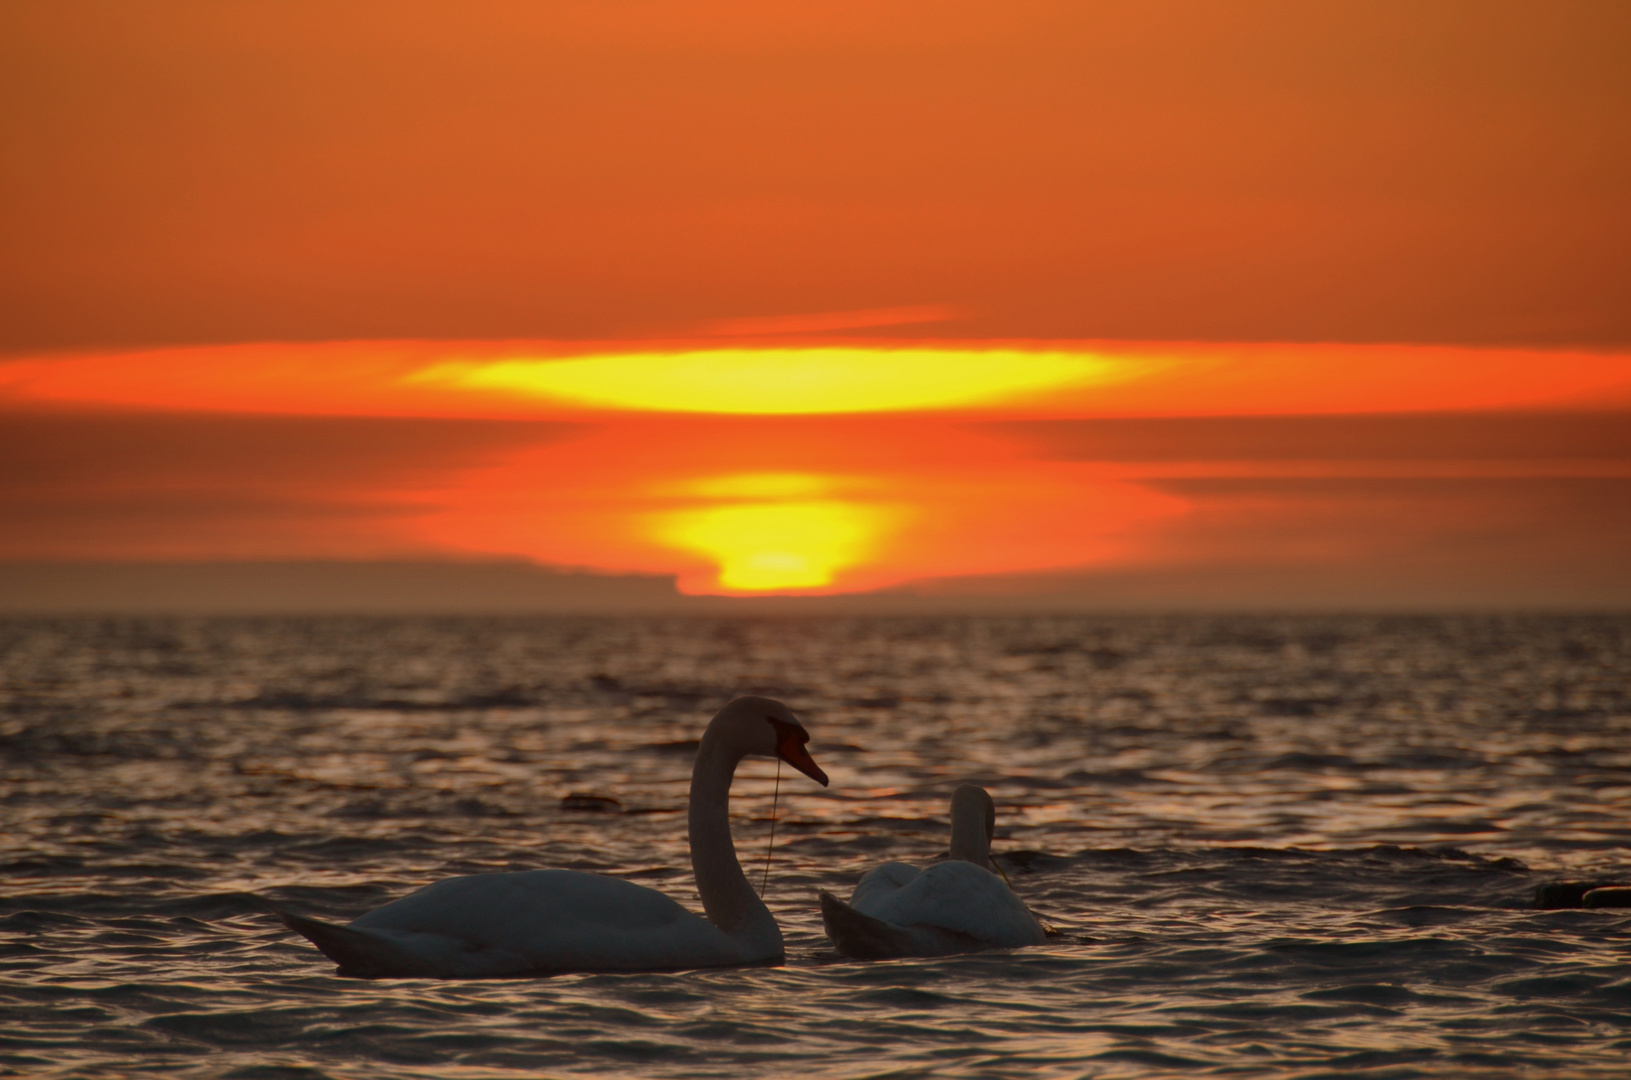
530, 922
949, 907
539, 922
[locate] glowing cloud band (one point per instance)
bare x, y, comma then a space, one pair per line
786, 381
544, 380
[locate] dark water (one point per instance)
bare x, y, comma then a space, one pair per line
1276, 847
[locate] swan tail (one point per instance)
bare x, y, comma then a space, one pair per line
861, 936
358, 954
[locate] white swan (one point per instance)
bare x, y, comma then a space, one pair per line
540, 922
951, 907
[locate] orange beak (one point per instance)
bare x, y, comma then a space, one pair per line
790, 740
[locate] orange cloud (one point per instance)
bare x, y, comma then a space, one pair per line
548, 380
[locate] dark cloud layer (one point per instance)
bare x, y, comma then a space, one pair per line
82, 489
99, 485
1374, 436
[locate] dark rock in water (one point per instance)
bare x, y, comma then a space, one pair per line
594, 804
479, 808
1608, 896
1552, 895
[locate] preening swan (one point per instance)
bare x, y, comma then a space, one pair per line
954, 906
540, 922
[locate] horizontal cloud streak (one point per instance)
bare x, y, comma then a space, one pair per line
545, 380
1493, 504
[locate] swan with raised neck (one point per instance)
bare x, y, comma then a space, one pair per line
540, 922
954, 906
973, 824
729, 901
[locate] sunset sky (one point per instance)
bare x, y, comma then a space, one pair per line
1176, 303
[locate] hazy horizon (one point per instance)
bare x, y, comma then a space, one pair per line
478, 587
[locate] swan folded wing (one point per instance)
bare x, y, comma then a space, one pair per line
553, 920
855, 933
880, 883
384, 954
964, 899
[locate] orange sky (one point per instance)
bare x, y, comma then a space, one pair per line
827, 297
1237, 170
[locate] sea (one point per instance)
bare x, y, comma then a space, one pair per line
1271, 846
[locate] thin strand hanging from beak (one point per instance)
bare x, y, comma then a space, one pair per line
764, 882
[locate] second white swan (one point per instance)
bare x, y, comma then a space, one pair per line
540, 922
951, 907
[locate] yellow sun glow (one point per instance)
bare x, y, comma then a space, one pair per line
770, 546
782, 381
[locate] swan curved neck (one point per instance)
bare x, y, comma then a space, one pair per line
969, 839
727, 898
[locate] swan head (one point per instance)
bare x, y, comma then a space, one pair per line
767, 728
973, 824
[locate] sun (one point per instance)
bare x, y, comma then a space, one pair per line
776, 538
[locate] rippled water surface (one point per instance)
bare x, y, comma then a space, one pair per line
1286, 847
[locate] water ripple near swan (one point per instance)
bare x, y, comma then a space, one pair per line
1275, 846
